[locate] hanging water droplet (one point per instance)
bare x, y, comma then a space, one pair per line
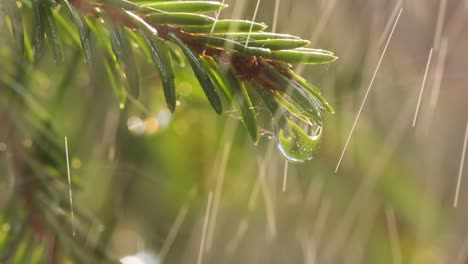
298, 140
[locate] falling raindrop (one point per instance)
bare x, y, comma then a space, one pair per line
298, 140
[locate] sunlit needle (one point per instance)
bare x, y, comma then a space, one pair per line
173, 231
393, 235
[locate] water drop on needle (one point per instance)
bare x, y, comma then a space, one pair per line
298, 140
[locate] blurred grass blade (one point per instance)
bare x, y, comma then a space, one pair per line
163, 61
83, 30
62, 221
55, 223
17, 230
306, 56
187, 6
179, 18
37, 254
226, 25
28, 49
53, 36
200, 73
22, 252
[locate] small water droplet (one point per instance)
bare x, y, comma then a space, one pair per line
298, 140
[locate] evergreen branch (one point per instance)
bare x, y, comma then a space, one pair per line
240, 46
236, 57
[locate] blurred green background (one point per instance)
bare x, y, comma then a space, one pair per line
148, 175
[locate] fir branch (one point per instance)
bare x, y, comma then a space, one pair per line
257, 56
224, 56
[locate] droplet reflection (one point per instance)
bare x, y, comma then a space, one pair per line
298, 140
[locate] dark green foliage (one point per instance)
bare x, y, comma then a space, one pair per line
83, 30
200, 73
235, 92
